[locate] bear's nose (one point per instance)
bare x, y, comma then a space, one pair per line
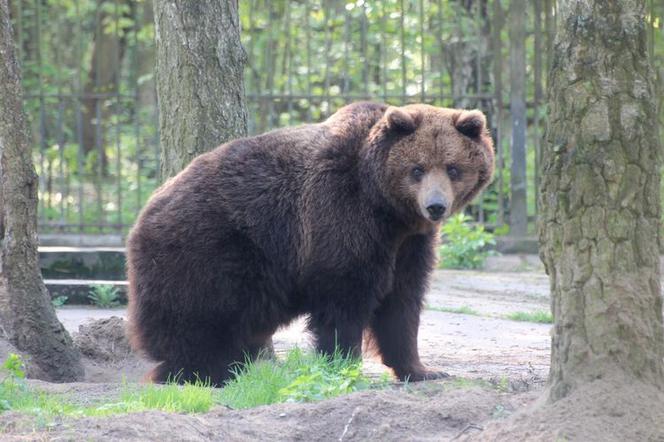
436, 211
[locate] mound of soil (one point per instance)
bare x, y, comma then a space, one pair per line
103, 340
422, 412
614, 408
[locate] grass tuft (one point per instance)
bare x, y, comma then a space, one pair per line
539, 316
301, 377
464, 310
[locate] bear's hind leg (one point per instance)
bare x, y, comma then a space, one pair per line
212, 365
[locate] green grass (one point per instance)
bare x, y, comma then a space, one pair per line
539, 316
15, 395
300, 377
464, 310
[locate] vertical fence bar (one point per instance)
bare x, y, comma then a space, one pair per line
307, 11
383, 52
271, 65
19, 29
548, 29
422, 52
136, 108
253, 103
42, 116
498, 20
439, 34
651, 29
117, 115
538, 95
479, 19
60, 123
99, 145
289, 57
328, 45
347, 39
403, 52
365, 61
79, 113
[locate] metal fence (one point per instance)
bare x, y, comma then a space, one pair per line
88, 66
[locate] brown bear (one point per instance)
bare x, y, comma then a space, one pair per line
337, 221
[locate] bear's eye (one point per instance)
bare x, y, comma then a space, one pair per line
454, 173
417, 173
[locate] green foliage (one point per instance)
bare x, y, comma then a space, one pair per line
539, 316
301, 377
14, 366
16, 395
464, 246
104, 296
188, 398
59, 301
464, 310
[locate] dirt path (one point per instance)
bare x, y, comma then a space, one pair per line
463, 345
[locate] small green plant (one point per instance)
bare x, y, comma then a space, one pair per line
12, 385
59, 301
464, 246
464, 310
539, 316
301, 377
14, 366
104, 296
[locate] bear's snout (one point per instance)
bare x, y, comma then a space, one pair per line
436, 210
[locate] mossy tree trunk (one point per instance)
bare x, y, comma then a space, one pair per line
27, 317
199, 76
600, 198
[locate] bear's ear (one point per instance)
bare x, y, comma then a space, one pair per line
402, 121
470, 123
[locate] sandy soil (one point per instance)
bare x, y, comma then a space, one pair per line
463, 345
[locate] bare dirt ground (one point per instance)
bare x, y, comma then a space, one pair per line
512, 357
484, 346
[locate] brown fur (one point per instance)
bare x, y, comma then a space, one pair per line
328, 220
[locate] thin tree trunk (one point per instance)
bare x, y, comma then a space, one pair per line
518, 201
104, 76
600, 219
27, 317
199, 73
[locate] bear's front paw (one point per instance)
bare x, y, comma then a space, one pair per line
422, 375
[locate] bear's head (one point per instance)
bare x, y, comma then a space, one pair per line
433, 161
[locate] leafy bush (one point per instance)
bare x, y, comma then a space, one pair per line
104, 296
464, 245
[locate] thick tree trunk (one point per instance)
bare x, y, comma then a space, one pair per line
518, 201
200, 88
27, 317
600, 218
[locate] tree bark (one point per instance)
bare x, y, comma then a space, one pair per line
200, 88
27, 317
518, 201
600, 219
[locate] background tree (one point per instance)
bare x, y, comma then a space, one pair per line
199, 74
518, 203
27, 317
600, 199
